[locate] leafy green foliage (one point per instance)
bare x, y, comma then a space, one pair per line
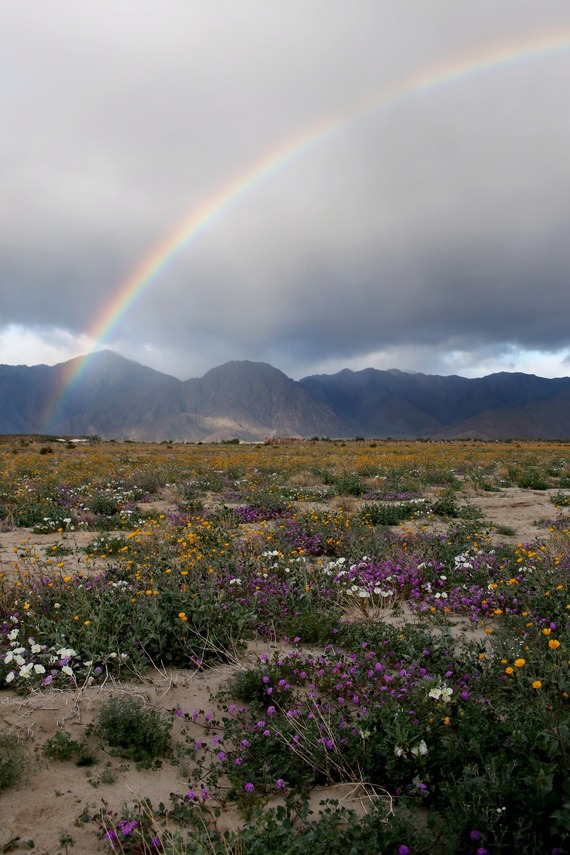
13, 759
138, 732
61, 746
388, 513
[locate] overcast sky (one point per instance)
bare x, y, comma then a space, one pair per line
428, 234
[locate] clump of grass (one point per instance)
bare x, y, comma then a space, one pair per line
531, 479
388, 513
505, 530
446, 505
350, 484
107, 776
13, 759
138, 732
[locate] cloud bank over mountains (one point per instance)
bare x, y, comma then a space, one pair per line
428, 233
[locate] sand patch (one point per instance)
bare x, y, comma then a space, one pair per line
522, 510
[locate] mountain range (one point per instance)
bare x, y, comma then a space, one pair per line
104, 394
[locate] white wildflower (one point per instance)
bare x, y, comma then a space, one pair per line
66, 652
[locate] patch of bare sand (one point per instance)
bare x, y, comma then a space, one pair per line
523, 511
24, 550
159, 507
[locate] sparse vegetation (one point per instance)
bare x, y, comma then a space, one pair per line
136, 731
397, 646
13, 759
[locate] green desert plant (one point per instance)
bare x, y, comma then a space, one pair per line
138, 732
13, 759
61, 746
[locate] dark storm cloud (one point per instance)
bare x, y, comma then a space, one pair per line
433, 226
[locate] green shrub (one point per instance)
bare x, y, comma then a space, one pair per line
505, 530
13, 759
140, 733
446, 505
314, 625
531, 479
350, 484
289, 829
388, 514
61, 746
104, 505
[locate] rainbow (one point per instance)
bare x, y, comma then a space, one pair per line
133, 289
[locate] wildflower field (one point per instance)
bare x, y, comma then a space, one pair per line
285, 647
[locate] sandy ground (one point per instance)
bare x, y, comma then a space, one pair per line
56, 793
524, 511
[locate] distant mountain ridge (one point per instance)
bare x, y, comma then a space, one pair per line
117, 398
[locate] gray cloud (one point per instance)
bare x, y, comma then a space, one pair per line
432, 230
